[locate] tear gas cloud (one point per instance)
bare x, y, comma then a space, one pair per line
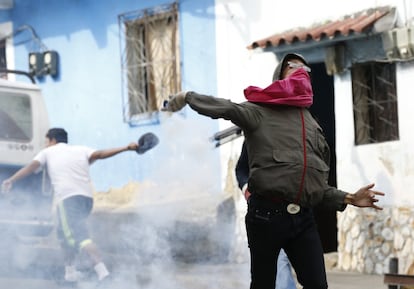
179, 217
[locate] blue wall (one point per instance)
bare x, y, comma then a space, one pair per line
86, 96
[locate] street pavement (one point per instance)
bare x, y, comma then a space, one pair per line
194, 276
349, 280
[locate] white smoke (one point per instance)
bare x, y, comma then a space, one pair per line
181, 216
179, 231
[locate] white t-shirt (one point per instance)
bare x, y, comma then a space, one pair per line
68, 169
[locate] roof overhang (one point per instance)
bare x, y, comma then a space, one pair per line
350, 27
369, 35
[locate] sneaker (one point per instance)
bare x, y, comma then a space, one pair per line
73, 276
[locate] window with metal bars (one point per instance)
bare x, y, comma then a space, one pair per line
150, 61
375, 102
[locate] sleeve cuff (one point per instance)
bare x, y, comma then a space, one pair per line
244, 188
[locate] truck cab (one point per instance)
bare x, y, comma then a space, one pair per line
25, 211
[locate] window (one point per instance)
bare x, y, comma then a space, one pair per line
150, 62
15, 117
375, 102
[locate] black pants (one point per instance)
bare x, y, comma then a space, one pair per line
269, 228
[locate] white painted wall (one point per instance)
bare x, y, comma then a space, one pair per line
238, 23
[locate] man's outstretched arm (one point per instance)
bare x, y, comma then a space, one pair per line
107, 153
23, 172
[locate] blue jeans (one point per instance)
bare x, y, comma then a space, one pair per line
284, 275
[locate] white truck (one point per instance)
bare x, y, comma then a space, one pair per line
25, 213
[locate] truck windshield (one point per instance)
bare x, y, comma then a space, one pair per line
15, 117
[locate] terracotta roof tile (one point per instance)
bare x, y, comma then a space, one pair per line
357, 23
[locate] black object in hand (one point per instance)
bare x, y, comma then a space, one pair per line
146, 142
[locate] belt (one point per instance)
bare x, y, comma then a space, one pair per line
267, 214
293, 209
274, 205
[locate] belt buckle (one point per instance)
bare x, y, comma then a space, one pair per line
293, 209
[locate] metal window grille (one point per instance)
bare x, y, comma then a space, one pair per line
375, 102
149, 61
3, 59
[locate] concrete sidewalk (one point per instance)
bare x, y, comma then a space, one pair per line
350, 280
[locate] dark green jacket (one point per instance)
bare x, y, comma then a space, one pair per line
280, 165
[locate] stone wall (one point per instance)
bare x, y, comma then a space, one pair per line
367, 239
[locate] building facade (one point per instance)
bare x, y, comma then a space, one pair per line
106, 68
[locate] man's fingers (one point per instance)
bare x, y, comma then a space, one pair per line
5, 187
367, 187
378, 193
376, 207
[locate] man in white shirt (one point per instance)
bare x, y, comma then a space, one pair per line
68, 169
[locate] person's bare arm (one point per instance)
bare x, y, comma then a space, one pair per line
23, 172
107, 153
